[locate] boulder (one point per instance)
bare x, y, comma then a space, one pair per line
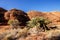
19, 14
2, 19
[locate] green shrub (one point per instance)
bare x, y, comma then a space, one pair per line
38, 21
33, 22
14, 23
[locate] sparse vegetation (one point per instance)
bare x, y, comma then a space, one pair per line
39, 21
35, 28
13, 34
14, 23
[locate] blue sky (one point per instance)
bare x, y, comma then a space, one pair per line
27, 5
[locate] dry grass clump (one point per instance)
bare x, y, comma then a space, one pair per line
53, 34
22, 34
13, 34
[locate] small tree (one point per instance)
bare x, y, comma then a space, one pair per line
43, 23
39, 21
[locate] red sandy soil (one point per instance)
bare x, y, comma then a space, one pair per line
4, 28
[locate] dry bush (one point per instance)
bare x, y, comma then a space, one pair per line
52, 33
18, 34
13, 34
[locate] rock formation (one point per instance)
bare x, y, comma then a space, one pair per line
20, 15
2, 19
23, 17
53, 16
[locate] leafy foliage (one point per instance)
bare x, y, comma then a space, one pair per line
33, 22
38, 21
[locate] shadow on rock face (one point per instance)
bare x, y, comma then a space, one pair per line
2, 19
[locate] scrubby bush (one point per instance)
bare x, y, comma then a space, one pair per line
14, 23
33, 22
38, 21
